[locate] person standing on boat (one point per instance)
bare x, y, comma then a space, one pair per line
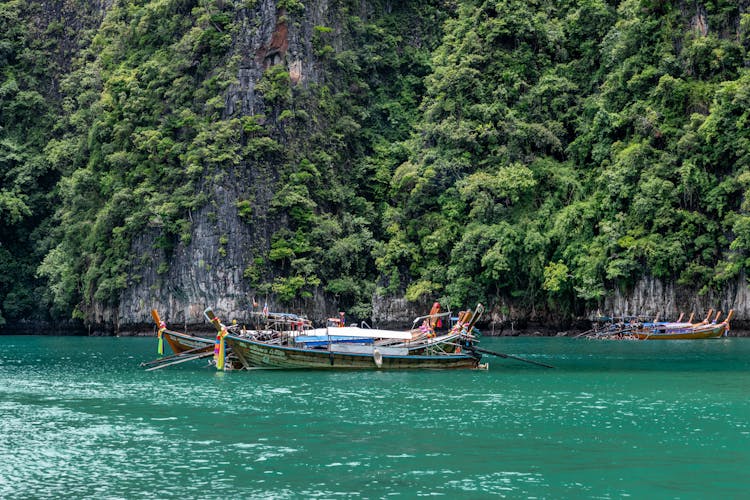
435, 322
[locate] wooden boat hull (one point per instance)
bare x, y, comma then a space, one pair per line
258, 354
181, 342
708, 332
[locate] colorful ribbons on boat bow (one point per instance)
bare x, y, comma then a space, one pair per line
220, 349
162, 327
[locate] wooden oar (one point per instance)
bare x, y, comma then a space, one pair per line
181, 360
502, 355
175, 356
587, 332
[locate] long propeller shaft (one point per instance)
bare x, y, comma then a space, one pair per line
503, 355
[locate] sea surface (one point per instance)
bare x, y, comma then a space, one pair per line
80, 419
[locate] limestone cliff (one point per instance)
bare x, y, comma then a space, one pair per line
208, 271
323, 156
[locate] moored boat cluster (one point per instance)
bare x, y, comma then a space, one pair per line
283, 340
641, 328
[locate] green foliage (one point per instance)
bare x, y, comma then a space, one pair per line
539, 152
143, 128
291, 6
35, 51
245, 209
555, 277
566, 148
332, 146
422, 290
291, 287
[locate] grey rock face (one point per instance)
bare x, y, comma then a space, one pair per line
208, 271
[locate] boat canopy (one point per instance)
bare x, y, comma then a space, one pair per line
355, 331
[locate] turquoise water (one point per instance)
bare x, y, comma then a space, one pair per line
80, 419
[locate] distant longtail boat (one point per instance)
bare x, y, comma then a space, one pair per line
638, 329
686, 331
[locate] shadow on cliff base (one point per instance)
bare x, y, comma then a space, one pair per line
36, 327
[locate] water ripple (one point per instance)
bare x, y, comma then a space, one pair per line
78, 418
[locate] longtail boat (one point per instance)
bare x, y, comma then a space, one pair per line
254, 353
682, 331
387, 349
422, 347
637, 328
